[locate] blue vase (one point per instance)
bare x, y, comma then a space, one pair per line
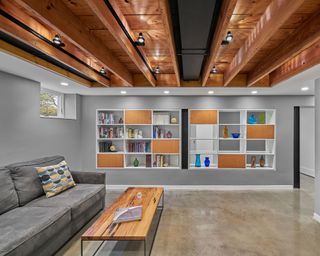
252, 119
198, 161
207, 161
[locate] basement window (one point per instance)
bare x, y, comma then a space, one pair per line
51, 104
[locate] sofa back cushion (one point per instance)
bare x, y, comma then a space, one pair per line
26, 179
8, 194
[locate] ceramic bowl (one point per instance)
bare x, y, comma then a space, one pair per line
235, 135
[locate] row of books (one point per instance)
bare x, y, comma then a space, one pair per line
139, 147
161, 161
105, 147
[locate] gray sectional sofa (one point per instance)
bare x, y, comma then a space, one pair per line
30, 223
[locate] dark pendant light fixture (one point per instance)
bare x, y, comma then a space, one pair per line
140, 40
103, 71
57, 41
228, 39
157, 70
214, 70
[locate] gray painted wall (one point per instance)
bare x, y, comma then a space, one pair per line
317, 151
24, 135
282, 176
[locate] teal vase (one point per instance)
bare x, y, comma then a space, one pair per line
198, 161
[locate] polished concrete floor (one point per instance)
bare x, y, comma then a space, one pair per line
277, 222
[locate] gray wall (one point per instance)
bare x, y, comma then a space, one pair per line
317, 151
23, 134
282, 176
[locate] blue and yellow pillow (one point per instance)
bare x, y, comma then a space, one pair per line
55, 178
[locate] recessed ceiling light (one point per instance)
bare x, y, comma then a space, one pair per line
304, 89
64, 83
254, 92
57, 41
210, 92
166, 92
140, 40
123, 92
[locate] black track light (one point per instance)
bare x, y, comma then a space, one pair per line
140, 40
157, 70
214, 70
228, 38
103, 71
57, 41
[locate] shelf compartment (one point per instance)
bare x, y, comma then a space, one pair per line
213, 160
110, 160
231, 161
260, 132
203, 116
204, 131
162, 130
104, 146
104, 117
269, 116
165, 161
229, 117
163, 117
269, 160
166, 146
138, 117
135, 129
144, 160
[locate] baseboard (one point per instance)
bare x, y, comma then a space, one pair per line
307, 171
316, 217
206, 187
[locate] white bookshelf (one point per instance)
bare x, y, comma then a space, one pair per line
208, 140
138, 140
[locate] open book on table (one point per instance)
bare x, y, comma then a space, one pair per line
128, 214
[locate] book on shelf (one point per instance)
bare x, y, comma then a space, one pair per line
111, 133
161, 161
139, 147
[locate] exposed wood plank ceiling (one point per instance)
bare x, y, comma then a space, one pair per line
283, 38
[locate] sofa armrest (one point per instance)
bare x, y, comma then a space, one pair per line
89, 177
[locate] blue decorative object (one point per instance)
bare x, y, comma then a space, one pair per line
198, 161
207, 161
252, 119
235, 135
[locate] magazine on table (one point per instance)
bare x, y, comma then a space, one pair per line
128, 214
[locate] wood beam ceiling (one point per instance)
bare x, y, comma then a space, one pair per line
56, 15
272, 19
221, 31
106, 17
303, 61
306, 35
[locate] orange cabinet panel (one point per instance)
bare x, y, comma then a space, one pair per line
231, 161
166, 146
109, 161
203, 116
138, 117
260, 131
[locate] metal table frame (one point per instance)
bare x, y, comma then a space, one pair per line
160, 208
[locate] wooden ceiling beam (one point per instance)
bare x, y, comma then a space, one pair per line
303, 61
305, 36
276, 14
33, 41
102, 11
227, 9
56, 15
165, 13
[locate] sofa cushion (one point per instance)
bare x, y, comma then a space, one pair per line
26, 180
79, 198
23, 229
8, 194
55, 178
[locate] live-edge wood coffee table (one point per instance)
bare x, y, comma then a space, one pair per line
104, 230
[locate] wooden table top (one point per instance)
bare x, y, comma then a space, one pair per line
103, 229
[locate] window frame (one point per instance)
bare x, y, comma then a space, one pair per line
61, 103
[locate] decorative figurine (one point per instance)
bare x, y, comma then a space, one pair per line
225, 132
252, 119
136, 162
253, 162
262, 161
113, 148
198, 161
140, 134
173, 120
169, 135
207, 161
120, 120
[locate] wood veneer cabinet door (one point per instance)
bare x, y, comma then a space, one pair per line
166, 146
203, 117
138, 117
260, 131
231, 161
109, 161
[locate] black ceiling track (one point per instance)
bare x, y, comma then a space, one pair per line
194, 24
115, 15
40, 54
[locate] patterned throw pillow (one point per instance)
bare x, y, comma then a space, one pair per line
55, 178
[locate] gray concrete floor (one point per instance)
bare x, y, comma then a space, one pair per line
277, 222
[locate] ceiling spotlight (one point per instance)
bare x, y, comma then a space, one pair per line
102, 71
166, 92
229, 36
57, 41
64, 83
254, 92
214, 70
140, 40
304, 89
123, 92
210, 92
157, 70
